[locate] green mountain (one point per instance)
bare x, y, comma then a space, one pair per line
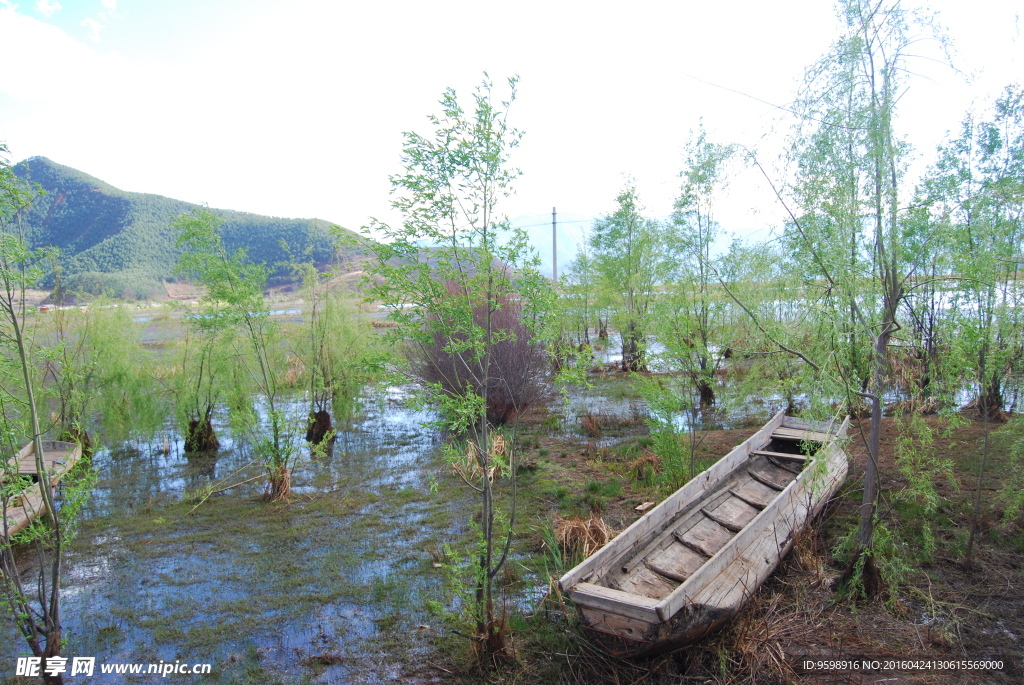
122, 244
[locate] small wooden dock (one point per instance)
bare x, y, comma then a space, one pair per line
58, 458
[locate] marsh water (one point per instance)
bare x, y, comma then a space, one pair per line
333, 585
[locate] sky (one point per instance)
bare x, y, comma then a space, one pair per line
296, 108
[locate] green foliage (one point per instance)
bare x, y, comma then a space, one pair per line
667, 404
97, 368
579, 309
447, 277
922, 466
35, 612
337, 346
1012, 493
690, 319
76, 489
122, 244
893, 557
233, 305
629, 260
974, 196
199, 375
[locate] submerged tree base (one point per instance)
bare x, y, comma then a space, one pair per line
279, 486
320, 427
80, 437
200, 436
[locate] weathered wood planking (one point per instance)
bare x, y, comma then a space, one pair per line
706, 537
733, 513
634, 536
677, 561
779, 455
682, 524
647, 582
614, 601
23, 509
770, 475
754, 493
797, 434
58, 459
667, 569
671, 604
784, 465
758, 527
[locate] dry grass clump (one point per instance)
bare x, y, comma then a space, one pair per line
579, 537
468, 467
293, 374
591, 424
644, 468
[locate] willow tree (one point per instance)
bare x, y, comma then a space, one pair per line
976, 196
629, 261
688, 326
96, 366
36, 612
234, 303
197, 378
447, 275
847, 222
337, 347
578, 302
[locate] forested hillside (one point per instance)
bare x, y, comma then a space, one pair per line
121, 244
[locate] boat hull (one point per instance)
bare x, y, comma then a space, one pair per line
625, 637
58, 459
633, 603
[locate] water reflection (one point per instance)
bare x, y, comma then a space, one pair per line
349, 558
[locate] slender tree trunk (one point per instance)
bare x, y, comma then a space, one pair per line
869, 503
49, 606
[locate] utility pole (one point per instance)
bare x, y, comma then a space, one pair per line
554, 248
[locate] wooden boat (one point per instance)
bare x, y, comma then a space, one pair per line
58, 458
687, 566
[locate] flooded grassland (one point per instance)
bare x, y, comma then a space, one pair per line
331, 586
342, 583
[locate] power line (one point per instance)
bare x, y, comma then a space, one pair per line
577, 221
772, 104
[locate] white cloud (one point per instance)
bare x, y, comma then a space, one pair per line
47, 7
606, 95
94, 28
109, 4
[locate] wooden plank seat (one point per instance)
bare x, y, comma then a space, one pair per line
797, 434
770, 475
780, 455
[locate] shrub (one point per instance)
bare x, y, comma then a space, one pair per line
517, 362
